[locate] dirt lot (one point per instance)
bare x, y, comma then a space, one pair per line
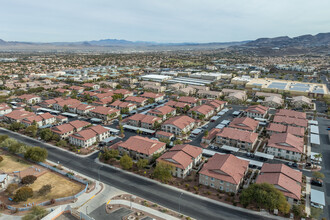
12, 163
61, 187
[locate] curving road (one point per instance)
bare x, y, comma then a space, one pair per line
193, 206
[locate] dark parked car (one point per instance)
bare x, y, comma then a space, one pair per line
316, 182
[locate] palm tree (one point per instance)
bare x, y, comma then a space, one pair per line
318, 157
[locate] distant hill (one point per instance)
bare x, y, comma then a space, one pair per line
319, 43
318, 40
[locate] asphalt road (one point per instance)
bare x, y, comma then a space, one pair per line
195, 207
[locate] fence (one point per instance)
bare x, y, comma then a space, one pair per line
59, 199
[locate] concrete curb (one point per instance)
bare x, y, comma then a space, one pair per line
265, 214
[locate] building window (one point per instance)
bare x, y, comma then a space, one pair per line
212, 179
212, 185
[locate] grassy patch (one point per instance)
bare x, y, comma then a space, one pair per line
12, 163
315, 212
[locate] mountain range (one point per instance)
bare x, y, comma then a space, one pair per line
321, 40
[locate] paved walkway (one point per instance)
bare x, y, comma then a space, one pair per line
143, 208
308, 193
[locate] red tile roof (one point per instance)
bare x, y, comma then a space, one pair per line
291, 113
283, 176
298, 131
62, 129
163, 133
121, 104
142, 145
212, 134
46, 116
276, 127
136, 99
202, 109
244, 123
99, 129
19, 114
79, 124
84, 134
225, 167
259, 109
179, 121
290, 121
149, 119
151, 95
176, 104
286, 141
162, 110
176, 158
104, 110
236, 134
27, 96
188, 99
192, 151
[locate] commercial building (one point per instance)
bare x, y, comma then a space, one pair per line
292, 87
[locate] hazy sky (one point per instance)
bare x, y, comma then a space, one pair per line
161, 20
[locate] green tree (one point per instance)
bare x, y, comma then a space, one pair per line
206, 132
65, 108
265, 196
16, 126
163, 171
118, 86
186, 109
46, 134
201, 117
62, 143
318, 175
23, 194
3, 137
36, 154
318, 157
193, 113
32, 130
120, 118
126, 162
151, 100
121, 128
177, 141
36, 213
157, 125
142, 163
124, 110
109, 154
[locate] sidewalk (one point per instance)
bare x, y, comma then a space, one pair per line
143, 208
308, 193
264, 214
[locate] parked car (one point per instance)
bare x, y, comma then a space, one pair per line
316, 182
291, 164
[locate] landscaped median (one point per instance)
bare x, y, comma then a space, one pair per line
31, 182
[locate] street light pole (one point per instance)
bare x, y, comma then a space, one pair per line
86, 210
180, 202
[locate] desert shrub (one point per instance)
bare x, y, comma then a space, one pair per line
44, 190
11, 188
23, 194
28, 179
